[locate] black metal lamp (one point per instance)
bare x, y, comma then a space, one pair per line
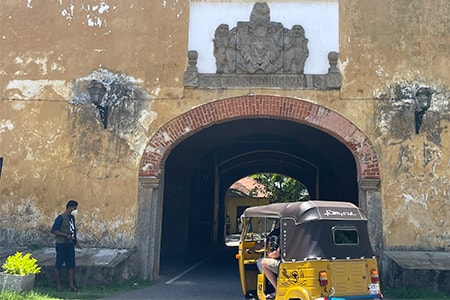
97, 91
423, 96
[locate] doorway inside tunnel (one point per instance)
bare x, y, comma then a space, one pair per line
200, 169
255, 190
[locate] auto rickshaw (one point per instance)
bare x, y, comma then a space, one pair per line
325, 252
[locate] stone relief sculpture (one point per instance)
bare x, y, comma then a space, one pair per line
225, 49
261, 53
259, 43
295, 49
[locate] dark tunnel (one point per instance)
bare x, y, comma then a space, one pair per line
200, 169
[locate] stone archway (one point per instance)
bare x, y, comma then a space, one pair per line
152, 165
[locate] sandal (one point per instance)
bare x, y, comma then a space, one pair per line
73, 289
59, 290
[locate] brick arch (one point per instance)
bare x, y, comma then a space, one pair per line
260, 106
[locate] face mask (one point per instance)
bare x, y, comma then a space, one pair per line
74, 212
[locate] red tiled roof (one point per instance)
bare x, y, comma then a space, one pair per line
246, 185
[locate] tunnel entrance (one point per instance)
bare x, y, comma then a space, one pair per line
190, 162
200, 169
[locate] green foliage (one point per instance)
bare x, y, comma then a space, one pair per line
21, 264
281, 188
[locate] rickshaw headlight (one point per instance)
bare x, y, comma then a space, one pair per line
323, 278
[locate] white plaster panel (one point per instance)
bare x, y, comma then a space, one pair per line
30, 89
319, 19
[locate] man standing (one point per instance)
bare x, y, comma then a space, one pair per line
66, 240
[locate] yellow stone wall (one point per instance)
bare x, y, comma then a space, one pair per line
232, 204
55, 149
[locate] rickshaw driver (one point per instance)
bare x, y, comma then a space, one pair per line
272, 237
270, 264
272, 242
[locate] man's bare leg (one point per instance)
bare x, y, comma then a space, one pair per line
271, 276
58, 282
71, 286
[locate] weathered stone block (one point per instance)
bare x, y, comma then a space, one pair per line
94, 266
18, 283
416, 269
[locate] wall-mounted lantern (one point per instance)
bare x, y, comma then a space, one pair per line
423, 97
97, 91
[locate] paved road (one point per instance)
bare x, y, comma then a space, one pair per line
214, 278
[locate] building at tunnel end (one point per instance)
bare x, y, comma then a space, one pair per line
147, 112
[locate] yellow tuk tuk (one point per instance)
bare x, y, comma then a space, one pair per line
325, 252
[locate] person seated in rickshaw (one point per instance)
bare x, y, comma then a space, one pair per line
270, 266
271, 242
271, 263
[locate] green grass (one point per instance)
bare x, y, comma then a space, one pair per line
46, 292
413, 294
31, 295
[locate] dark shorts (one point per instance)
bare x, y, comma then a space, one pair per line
65, 253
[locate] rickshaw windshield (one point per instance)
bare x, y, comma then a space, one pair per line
257, 228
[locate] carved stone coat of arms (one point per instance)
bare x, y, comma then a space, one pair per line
261, 52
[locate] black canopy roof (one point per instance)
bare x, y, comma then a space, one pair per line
308, 228
308, 211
